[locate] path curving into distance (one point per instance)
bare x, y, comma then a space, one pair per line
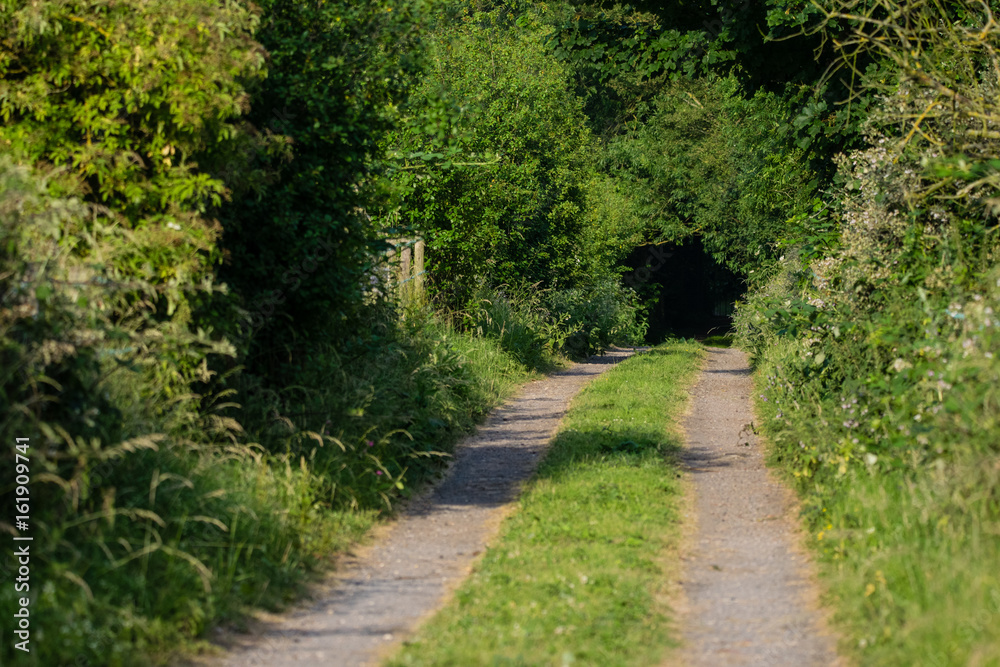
381, 593
748, 596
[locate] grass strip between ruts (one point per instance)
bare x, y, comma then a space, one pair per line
577, 574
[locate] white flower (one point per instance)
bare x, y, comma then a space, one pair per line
174, 226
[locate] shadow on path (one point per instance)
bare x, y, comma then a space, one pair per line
749, 595
382, 592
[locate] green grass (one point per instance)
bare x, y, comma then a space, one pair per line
907, 534
909, 560
578, 572
717, 340
913, 584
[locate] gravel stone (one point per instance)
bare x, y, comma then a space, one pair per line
379, 594
748, 595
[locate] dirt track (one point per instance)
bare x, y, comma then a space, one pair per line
748, 591
380, 594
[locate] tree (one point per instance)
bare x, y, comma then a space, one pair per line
713, 163
299, 242
500, 191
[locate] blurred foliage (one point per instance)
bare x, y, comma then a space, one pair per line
715, 163
124, 97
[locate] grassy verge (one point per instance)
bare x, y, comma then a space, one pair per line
577, 574
141, 546
375, 421
907, 548
357, 435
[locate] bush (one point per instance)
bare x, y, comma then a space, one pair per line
126, 97
153, 518
716, 162
376, 418
598, 317
518, 320
536, 326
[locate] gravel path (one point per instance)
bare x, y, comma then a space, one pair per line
747, 591
381, 593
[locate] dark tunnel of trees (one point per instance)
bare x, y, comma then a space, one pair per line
686, 291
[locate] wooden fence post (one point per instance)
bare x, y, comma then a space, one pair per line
418, 270
405, 275
406, 260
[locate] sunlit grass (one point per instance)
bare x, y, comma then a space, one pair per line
914, 583
718, 340
578, 573
906, 531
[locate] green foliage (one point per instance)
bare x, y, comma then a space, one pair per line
114, 103
614, 227
299, 242
130, 489
519, 321
153, 517
495, 167
537, 326
713, 163
517, 217
622, 59
624, 55
124, 97
376, 419
900, 480
534, 145
598, 317
882, 329
152, 520
71, 322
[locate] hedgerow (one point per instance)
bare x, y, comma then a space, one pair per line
881, 328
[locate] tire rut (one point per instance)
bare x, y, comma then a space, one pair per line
380, 593
748, 594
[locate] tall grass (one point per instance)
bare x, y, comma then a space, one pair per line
157, 512
373, 419
518, 319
